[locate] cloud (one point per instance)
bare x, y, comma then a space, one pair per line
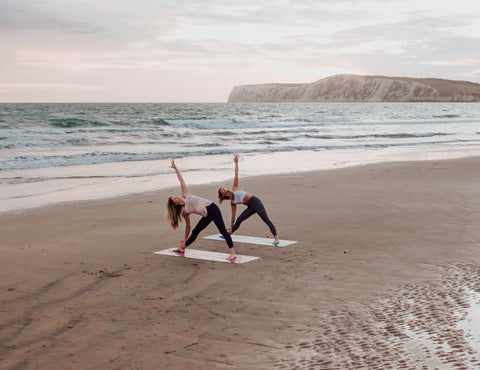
462, 62
60, 86
472, 74
28, 15
92, 40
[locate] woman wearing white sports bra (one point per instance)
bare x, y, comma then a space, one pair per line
254, 205
182, 207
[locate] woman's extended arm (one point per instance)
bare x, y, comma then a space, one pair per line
235, 188
180, 178
235, 181
234, 210
186, 216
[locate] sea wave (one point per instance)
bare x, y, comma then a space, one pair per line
403, 135
154, 121
75, 122
202, 122
447, 116
128, 132
263, 145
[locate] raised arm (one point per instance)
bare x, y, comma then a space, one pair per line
235, 180
180, 178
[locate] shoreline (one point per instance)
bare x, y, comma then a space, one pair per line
216, 168
386, 257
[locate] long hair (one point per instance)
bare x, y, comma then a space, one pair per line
174, 213
222, 197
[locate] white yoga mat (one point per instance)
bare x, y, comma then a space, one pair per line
207, 256
252, 240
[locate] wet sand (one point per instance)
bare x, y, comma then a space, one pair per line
385, 268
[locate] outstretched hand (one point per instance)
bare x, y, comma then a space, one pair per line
235, 158
172, 165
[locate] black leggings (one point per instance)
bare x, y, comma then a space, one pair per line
213, 214
254, 205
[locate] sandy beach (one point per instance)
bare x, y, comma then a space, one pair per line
383, 275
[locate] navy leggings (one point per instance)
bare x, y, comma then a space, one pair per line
254, 205
213, 214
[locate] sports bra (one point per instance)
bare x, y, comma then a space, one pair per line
239, 196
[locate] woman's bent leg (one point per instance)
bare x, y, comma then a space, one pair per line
243, 216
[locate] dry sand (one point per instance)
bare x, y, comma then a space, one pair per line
386, 265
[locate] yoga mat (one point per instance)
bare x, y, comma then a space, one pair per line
207, 256
251, 240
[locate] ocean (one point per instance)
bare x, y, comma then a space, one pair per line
67, 152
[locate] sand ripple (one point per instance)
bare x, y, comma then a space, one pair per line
415, 328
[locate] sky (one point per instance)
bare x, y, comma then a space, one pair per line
197, 51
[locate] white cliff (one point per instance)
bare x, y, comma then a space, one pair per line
353, 88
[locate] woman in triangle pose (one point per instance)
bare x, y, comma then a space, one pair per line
179, 208
254, 205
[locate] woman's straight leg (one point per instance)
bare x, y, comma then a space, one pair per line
202, 224
258, 207
216, 215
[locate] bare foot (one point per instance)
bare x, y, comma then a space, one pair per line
180, 250
232, 255
276, 241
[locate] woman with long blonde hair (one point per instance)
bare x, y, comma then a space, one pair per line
180, 208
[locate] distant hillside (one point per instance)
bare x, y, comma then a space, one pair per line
353, 88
